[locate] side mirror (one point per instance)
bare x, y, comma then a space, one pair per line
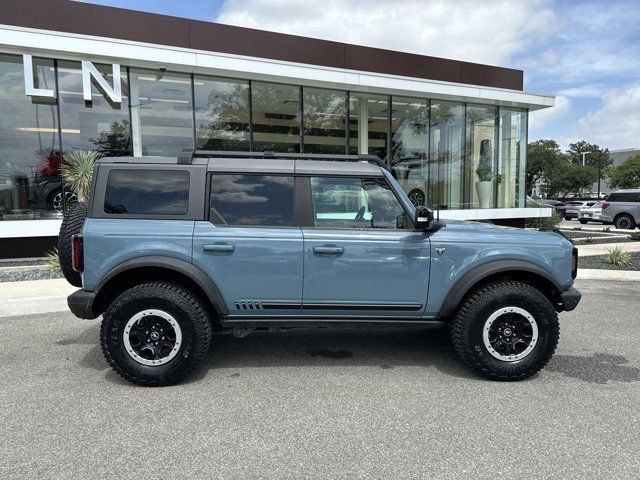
424, 218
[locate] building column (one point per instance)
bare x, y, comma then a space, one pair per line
134, 105
363, 125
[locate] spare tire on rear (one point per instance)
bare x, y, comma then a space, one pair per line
71, 225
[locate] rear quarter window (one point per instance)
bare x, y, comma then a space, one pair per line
147, 192
624, 197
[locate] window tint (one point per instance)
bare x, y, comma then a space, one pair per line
147, 192
355, 203
252, 200
624, 197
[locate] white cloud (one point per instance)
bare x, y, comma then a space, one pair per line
616, 124
493, 31
540, 118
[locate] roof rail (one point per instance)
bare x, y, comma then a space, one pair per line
187, 155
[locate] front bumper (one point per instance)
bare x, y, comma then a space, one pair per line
81, 304
570, 299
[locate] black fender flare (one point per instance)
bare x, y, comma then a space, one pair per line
479, 273
183, 267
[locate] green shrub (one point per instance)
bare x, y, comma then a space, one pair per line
617, 256
78, 172
52, 259
588, 240
542, 222
635, 236
607, 230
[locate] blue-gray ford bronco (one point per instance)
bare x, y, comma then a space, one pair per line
172, 250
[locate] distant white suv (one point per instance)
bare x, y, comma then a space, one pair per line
622, 208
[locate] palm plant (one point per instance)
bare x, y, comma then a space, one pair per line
77, 171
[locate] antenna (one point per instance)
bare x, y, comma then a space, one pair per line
437, 212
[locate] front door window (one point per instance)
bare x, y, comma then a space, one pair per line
355, 203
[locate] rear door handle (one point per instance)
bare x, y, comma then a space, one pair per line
329, 250
219, 248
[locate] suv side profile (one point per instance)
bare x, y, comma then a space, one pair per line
173, 250
622, 209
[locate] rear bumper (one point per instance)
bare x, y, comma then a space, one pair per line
570, 299
81, 304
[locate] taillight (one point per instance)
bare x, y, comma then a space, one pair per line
77, 257
605, 205
574, 263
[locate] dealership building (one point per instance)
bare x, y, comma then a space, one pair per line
75, 76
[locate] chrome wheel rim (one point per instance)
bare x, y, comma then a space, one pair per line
417, 198
623, 224
510, 334
57, 202
152, 337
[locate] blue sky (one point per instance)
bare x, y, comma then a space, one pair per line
587, 53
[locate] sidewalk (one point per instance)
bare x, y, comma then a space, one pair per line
34, 296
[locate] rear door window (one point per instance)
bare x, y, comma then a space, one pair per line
147, 192
251, 200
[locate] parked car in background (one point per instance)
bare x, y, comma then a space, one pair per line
572, 209
591, 213
410, 174
558, 206
622, 209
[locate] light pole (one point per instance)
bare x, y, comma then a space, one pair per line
584, 155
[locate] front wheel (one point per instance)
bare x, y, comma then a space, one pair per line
584, 222
506, 330
155, 334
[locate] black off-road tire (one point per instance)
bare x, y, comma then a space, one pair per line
625, 221
71, 225
184, 306
584, 222
476, 308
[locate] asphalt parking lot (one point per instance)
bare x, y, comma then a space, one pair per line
384, 403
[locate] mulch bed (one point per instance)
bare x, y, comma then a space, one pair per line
600, 262
30, 274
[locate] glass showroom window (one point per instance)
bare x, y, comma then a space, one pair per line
409, 142
100, 124
29, 151
276, 117
512, 160
481, 156
446, 163
161, 112
369, 124
325, 116
222, 114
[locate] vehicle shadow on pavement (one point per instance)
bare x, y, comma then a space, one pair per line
384, 348
598, 368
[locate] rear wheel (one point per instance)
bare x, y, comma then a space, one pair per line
625, 222
506, 330
155, 334
584, 222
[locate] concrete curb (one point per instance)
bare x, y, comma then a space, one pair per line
611, 275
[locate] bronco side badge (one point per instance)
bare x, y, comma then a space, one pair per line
440, 250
